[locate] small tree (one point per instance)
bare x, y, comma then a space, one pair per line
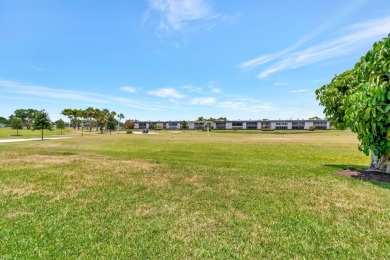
4, 120
42, 122
60, 124
129, 124
101, 117
16, 123
111, 123
184, 125
120, 117
26, 115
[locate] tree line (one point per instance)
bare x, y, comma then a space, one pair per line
30, 118
101, 119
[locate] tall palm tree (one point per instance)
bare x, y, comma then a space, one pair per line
89, 114
120, 117
102, 117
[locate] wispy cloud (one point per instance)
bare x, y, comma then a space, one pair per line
134, 104
353, 38
205, 90
166, 93
32, 91
34, 67
299, 91
246, 106
203, 101
183, 16
193, 89
128, 89
39, 91
175, 14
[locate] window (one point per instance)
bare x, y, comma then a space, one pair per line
199, 125
172, 125
220, 125
251, 125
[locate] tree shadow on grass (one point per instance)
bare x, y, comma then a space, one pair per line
360, 172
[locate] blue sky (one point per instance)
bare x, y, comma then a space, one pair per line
178, 60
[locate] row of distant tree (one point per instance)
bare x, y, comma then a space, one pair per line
29, 118
103, 120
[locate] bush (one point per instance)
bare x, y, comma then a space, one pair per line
312, 128
129, 132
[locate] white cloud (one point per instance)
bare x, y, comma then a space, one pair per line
203, 101
202, 90
355, 37
246, 106
193, 89
34, 90
215, 90
166, 93
128, 89
174, 14
134, 104
299, 91
30, 91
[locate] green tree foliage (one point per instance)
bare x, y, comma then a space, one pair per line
102, 119
3, 120
89, 114
360, 99
60, 124
73, 115
184, 125
16, 123
111, 122
120, 117
42, 122
26, 115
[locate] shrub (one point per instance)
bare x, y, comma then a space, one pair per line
129, 132
312, 128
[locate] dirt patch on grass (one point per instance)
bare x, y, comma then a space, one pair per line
15, 214
20, 191
365, 175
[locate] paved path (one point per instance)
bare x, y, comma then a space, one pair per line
29, 139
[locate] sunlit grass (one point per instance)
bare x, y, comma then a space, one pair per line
184, 194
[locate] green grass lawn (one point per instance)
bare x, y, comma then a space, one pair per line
190, 195
9, 133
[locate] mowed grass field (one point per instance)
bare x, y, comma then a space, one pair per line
185, 194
